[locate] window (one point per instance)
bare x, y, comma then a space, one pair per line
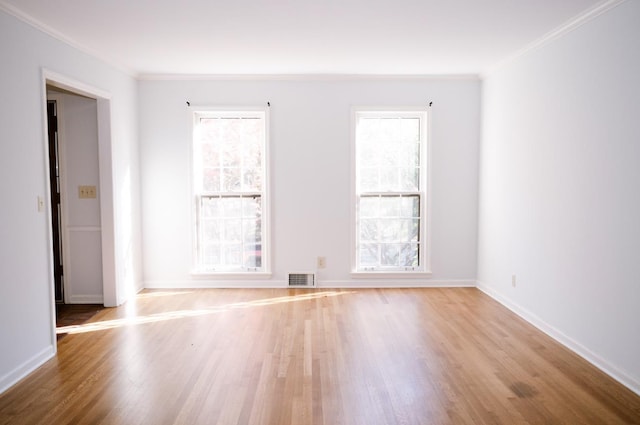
229, 158
390, 185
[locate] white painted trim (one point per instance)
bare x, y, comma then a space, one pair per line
392, 283
193, 112
23, 370
602, 364
561, 31
360, 283
307, 77
111, 295
231, 276
425, 184
193, 209
391, 275
267, 217
61, 81
40, 26
47, 196
353, 222
426, 233
209, 283
86, 299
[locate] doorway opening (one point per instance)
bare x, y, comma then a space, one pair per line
80, 189
75, 206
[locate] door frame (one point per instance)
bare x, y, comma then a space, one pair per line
105, 164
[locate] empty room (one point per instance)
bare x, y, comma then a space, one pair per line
320, 212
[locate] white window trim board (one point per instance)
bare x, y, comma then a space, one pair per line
193, 112
425, 269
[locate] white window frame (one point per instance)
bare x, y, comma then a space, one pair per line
424, 268
242, 273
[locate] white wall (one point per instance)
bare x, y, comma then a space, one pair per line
560, 189
310, 171
26, 316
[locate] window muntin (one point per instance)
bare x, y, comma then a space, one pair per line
229, 188
390, 188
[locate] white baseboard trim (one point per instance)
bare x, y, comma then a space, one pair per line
395, 283
20, 372
208, 283
86, 299
563, 339
355, 283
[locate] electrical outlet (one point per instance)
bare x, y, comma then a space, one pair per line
321, 262
513, 280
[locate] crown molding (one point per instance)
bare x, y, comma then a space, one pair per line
564, 29
306, 77
555, 34
46, 29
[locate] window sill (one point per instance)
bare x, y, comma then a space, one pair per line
391, 274
230, 275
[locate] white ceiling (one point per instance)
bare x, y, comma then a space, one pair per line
381, 37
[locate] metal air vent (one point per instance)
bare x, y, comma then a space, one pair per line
302, 280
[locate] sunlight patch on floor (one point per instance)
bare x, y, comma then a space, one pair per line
155, 294
181, 314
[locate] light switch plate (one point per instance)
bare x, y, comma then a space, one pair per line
86, 192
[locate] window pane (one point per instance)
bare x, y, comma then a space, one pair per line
211, 254
410, 206
252, 251
211, 229
232, 230
210, 154
368, 230
251, 179
211, 207
251, 206
413, 230
230, 179
229, 150
368, 154
236, 238
409, 179
230, 155
369, 255
390, 254
410, 129
390, 206
389, 176
370, 206
232, 207
389, 179
369, 179
408, 255
391, 230
232, 254
211, 179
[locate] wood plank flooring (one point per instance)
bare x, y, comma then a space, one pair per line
280, 357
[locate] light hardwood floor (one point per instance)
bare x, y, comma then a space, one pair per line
278, 356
